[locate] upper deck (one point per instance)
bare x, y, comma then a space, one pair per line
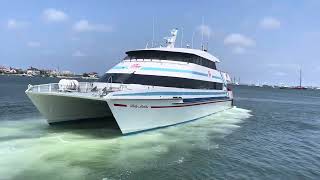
171, 53
196, 52
194, 56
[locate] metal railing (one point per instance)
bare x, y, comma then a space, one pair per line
84, 87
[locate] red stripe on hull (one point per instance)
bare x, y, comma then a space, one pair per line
184, 105
120, 105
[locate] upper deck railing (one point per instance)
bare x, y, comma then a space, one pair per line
98, 88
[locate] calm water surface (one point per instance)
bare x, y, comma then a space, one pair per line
271, 134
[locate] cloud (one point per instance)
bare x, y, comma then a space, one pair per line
280, 74
33, 44
75, 39
239, 40
284, 65
85, 26
270, 23
78, 54
14, 24
239, 50
54, 15
206, 30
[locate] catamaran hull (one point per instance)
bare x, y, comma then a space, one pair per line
131, 115
140, 115
57, 108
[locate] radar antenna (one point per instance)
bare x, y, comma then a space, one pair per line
170, 41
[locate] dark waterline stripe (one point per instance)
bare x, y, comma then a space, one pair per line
120, 105
170, 93
193, 104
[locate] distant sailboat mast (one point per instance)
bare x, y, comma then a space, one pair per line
300, 81
300, 78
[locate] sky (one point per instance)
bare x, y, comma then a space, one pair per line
257, 41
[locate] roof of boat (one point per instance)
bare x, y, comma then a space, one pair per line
197, 52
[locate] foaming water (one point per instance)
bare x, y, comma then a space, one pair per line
31, 149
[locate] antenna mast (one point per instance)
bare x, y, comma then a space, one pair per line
181, 37
192, 39
202, 33
152, 31
170, 41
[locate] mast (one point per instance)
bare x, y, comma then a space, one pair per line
181, 45
192, 39
152, 32
300, 77
202, 33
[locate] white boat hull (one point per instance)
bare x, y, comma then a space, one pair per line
131, 115
58, 108
139, 115
133, 110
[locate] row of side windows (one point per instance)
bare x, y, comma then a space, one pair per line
164, 81
173, 56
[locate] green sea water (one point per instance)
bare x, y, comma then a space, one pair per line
270, 134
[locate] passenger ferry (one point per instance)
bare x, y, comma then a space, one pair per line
150, 88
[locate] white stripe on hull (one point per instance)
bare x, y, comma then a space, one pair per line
65, 108
139, 115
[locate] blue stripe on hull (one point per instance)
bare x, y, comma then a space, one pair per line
170, 70
120, 67
173, 70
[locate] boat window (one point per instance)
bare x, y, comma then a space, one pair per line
164, 81
173, 56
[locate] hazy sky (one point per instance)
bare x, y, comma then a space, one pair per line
259, 41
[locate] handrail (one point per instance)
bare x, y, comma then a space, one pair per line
84, 87
110, 78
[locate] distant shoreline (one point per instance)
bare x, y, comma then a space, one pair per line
59, 77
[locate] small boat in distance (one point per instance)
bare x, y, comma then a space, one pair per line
150, 88
300, 87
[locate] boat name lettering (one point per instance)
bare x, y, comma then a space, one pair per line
135, 66
138, 106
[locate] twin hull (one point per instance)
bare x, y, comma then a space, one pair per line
131, 115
